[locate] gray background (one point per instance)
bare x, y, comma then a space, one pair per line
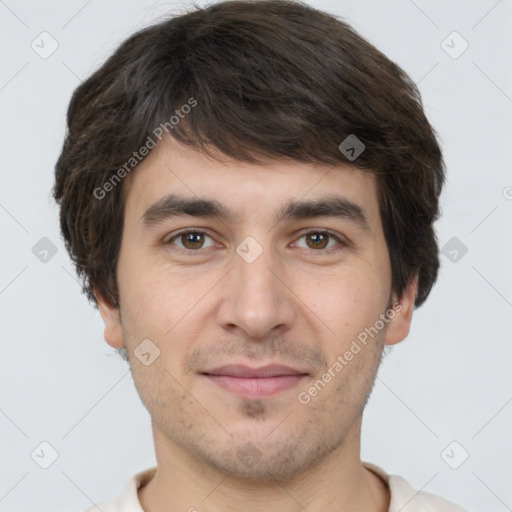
449, 381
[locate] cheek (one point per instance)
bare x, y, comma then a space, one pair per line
348, 296
147, 288
163, 304
350, 304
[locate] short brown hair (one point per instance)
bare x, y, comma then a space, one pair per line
272, 79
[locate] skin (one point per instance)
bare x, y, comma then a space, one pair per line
295, 305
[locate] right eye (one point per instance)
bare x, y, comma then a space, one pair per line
190, 240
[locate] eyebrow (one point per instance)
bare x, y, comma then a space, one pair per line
172, 206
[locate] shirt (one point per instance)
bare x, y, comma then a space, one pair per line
403, 497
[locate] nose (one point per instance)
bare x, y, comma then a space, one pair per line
256, 301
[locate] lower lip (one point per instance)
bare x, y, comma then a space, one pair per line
256, 387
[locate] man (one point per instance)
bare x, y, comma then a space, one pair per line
249, 192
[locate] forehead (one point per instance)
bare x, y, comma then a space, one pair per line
244, 190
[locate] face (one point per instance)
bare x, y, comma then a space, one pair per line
284, 281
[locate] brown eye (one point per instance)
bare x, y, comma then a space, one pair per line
318, 240
190, 240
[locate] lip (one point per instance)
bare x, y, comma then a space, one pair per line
259, 382
242, 371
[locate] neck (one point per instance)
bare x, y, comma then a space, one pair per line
339, 483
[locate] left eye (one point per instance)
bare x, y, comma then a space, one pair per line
319, 239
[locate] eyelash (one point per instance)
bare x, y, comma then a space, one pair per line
343, 244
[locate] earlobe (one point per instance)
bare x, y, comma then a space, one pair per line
113, 332
399, 325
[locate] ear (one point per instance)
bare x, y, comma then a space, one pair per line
111, 318
399, 325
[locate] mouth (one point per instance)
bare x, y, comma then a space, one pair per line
260, 382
